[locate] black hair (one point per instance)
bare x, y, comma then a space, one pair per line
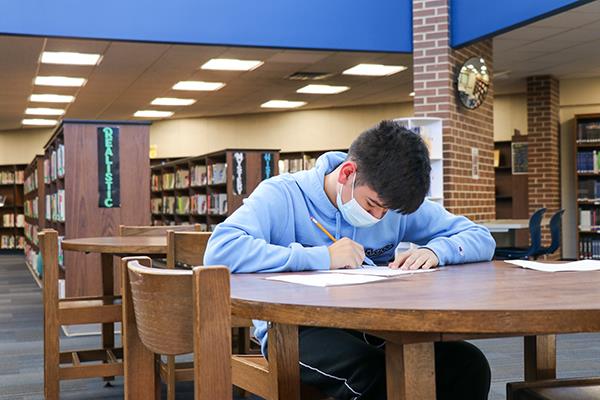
394, 162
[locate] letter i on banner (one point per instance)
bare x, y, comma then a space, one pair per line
109, 182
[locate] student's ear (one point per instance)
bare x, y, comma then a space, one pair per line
348, 168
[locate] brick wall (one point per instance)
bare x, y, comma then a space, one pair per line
544, 145
435, 65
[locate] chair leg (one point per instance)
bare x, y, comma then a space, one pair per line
171, 378
49, 242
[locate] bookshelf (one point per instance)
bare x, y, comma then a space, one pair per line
511, 190
430, 129
294, 161
76, 202
35, 204
11, 208
587, 178
206, 189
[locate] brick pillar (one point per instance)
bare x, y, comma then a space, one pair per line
435, 67
544, 146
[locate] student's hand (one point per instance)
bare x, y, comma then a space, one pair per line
414, 259
346, 253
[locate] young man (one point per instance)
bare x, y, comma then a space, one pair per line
371, 200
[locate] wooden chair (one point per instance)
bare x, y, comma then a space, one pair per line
187, 249
127, 230
105, 362
555, 389
178, 312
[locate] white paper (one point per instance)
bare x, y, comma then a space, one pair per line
581, 265
379, 271
324, 280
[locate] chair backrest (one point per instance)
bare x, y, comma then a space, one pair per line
163, 302
555, 227
186, 248
535, 230
127, 230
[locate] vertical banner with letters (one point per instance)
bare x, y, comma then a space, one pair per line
267, 165
109, 182
239, 173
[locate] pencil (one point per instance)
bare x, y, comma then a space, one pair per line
325, 231
321, 227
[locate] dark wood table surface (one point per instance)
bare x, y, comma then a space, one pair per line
492, 299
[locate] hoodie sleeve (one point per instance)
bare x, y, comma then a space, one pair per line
454, 239
247, 240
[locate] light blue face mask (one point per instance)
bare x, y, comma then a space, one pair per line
352, 212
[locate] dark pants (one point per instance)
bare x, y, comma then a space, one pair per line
348, 364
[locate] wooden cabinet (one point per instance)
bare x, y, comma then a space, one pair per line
72, 179
11, 207
35, 205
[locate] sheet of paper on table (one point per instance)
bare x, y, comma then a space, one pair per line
580, 266
324, 280
378, 271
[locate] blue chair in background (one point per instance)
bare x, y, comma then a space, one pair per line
535, 236
555, 232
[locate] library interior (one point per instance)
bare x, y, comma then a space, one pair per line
224, 200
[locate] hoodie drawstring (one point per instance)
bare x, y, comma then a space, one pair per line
337, 225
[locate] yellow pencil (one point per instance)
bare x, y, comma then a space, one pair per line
321, 227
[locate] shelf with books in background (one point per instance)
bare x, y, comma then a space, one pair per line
12, 219
206, 189
587, 178
35, 221
294, 161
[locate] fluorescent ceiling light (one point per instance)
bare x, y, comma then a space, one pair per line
39, 122
59, 81
172, 101
68, 58
44, 111
51, 98
153, 114
198, 85
230, 64
374, 69
282, 104
412, 94
322, 89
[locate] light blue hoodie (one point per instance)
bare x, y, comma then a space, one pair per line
272, 230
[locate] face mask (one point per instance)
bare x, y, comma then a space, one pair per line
352, 212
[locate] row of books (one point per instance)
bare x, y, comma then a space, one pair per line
588, 132
155, 183
31, 207
217, 173
198, 175
168, 181
55, 206
296, 164
182, 205
588, 189
589, 248
31, 233
168, 205
182, 178
198, 204
31, 182
589, 219
588, 161
55, 166
156, 205
217, 204
10, 220
203, 227
12, 242
11, 177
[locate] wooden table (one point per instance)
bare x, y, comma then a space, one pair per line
475, 300
510, 232
111, 246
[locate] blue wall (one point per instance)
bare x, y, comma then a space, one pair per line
384, 25
474, 19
